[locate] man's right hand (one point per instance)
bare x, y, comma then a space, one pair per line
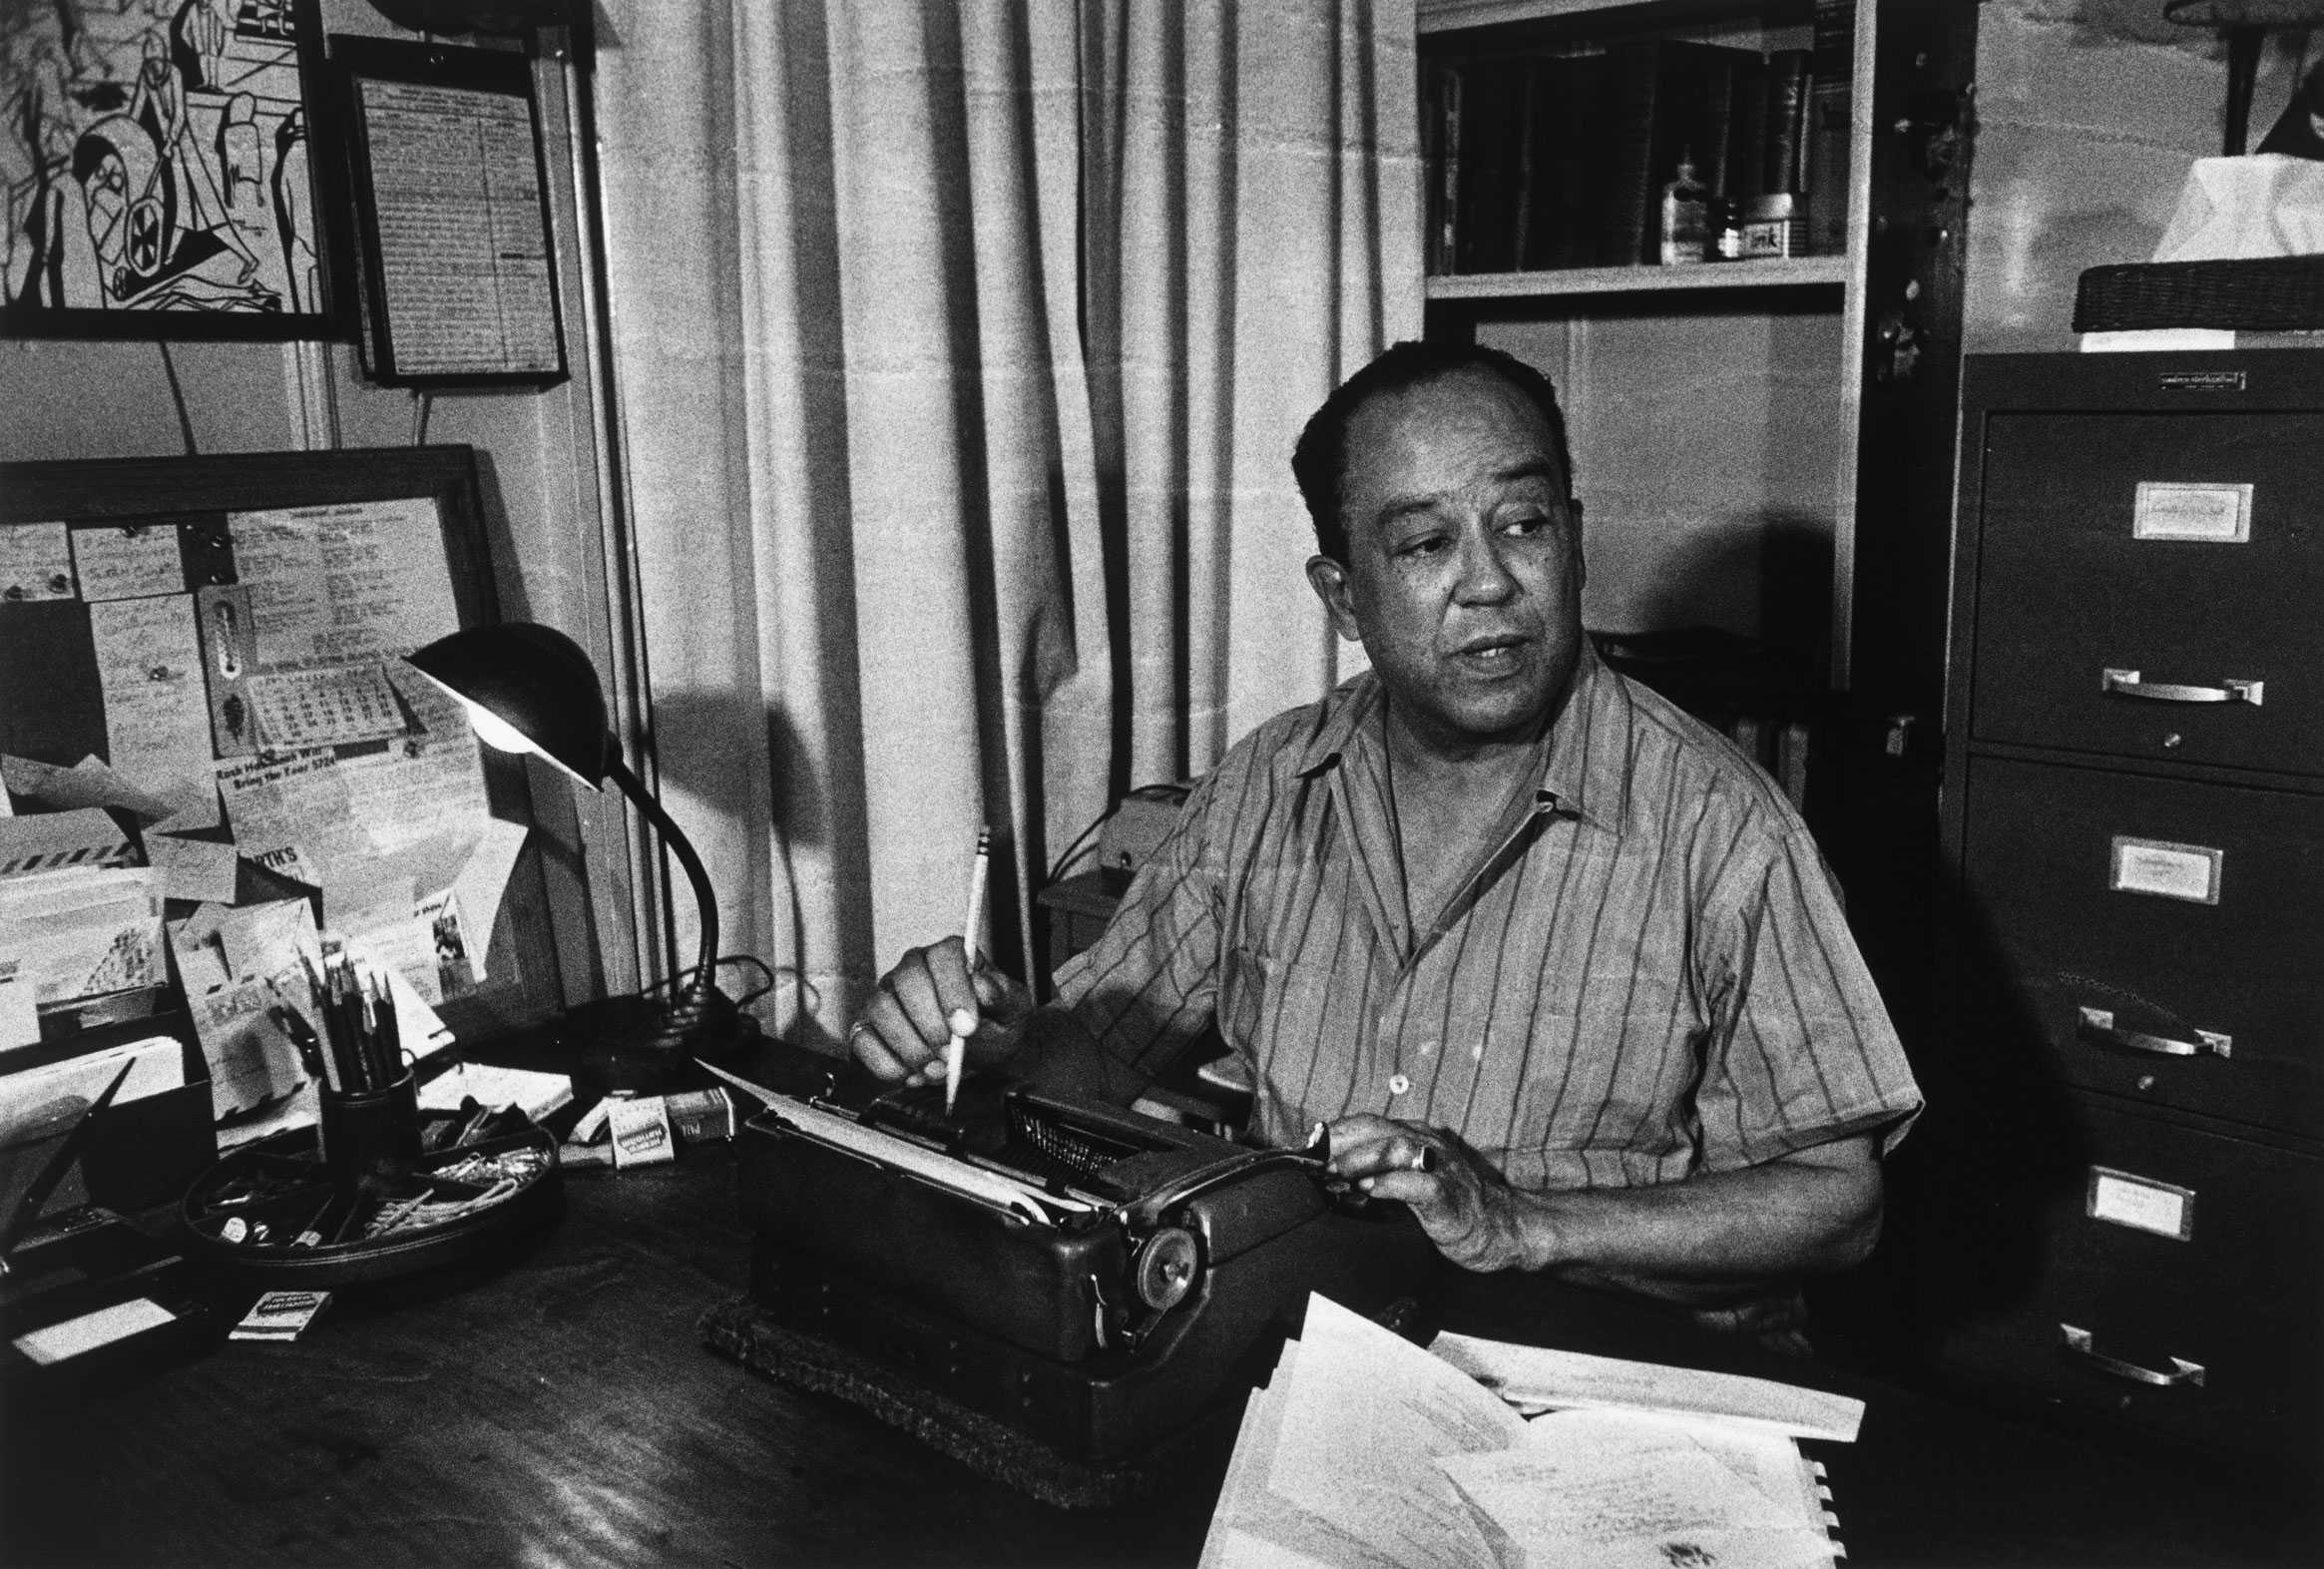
931, 995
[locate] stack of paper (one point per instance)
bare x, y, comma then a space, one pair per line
1365, 1450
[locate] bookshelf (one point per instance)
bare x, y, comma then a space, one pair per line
1774, 272
1767, 447
1714, 405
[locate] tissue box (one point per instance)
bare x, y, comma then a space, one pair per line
2277, 293
2244, 253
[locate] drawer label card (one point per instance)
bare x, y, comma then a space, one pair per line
2140, 1203
2179, 509
2170, 871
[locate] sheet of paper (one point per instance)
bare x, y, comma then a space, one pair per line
84, 931
1250, 1525
129, 561
36, 562
41, 1102
156, 711
19, 1014
333, 706
390, 932
423, 785
1534, 1377
297, 1110
290, 814
490, 1085
483, 881
62, 1342
201, 871
1372, 1413
259, 948
458, 963
1001, 1192
1612, 1504
89, 782
53, 840
357, 580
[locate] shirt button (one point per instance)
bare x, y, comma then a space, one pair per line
1398, 1084
1477, 1052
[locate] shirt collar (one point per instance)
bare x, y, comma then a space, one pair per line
1583, 761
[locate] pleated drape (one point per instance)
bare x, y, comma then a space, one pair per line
959, 349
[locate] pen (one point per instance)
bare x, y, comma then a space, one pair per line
956, 1049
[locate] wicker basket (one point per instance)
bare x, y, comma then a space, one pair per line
2275, 293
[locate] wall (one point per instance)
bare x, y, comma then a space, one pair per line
537, 449
2088, 115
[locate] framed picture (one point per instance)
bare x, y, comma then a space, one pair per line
457, 282
158, 176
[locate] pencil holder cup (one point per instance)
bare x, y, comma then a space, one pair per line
375, 1134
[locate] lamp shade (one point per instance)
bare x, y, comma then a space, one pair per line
531, 679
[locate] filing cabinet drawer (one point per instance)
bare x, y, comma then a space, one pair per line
2180, 1290
2212, 1004
2182, 553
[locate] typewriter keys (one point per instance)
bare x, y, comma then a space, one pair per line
1165, 1269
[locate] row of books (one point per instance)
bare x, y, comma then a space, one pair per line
1560, 160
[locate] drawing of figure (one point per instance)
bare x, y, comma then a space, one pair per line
155, 119
294, 213
37, 142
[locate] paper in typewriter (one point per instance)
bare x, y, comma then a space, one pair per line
1365, 1450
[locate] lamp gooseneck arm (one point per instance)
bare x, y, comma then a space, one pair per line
705, 970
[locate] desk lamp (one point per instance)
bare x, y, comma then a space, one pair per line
530, 688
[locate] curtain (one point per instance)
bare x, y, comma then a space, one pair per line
959, 347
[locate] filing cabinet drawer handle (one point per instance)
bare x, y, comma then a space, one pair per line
2096, 1026
2126, 683
2078, 1344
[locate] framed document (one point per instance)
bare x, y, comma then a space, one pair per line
456, 278
164, 185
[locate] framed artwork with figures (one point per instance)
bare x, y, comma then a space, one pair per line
157, 170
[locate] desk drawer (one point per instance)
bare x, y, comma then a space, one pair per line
2208, 575
2211, 1008
2211, 1336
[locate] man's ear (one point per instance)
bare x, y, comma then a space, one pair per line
1329, 579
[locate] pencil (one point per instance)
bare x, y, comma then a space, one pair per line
956, 1049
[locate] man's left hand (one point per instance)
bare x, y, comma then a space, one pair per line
1468, 1210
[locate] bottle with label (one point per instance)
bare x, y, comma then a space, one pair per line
1686, 216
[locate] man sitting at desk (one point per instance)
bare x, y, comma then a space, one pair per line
1562, 972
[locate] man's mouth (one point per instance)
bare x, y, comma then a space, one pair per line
1496, 651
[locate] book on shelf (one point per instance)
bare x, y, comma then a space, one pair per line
1492, 170
1831, 116
1787, 94
1572, 100
1440, 136
1365, 1450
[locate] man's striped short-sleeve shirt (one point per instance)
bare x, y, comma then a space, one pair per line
1649, 976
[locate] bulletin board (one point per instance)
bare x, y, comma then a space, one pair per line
202, 653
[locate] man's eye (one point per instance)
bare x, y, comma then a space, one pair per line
1528, 524
1424, 545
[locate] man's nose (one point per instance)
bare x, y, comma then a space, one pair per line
1485, 579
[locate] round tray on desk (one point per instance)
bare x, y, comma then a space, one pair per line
276, 1211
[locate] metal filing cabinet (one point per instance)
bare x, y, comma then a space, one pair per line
2133, 832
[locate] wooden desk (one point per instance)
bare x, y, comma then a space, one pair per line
560, 1411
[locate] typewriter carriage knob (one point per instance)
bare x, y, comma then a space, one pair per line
1167, 1263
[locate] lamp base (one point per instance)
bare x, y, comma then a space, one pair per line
647, 1046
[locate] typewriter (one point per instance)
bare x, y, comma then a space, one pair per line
1093, 1278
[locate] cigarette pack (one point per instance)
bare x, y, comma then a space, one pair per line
699, 1116
641, 1132
281, 1316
